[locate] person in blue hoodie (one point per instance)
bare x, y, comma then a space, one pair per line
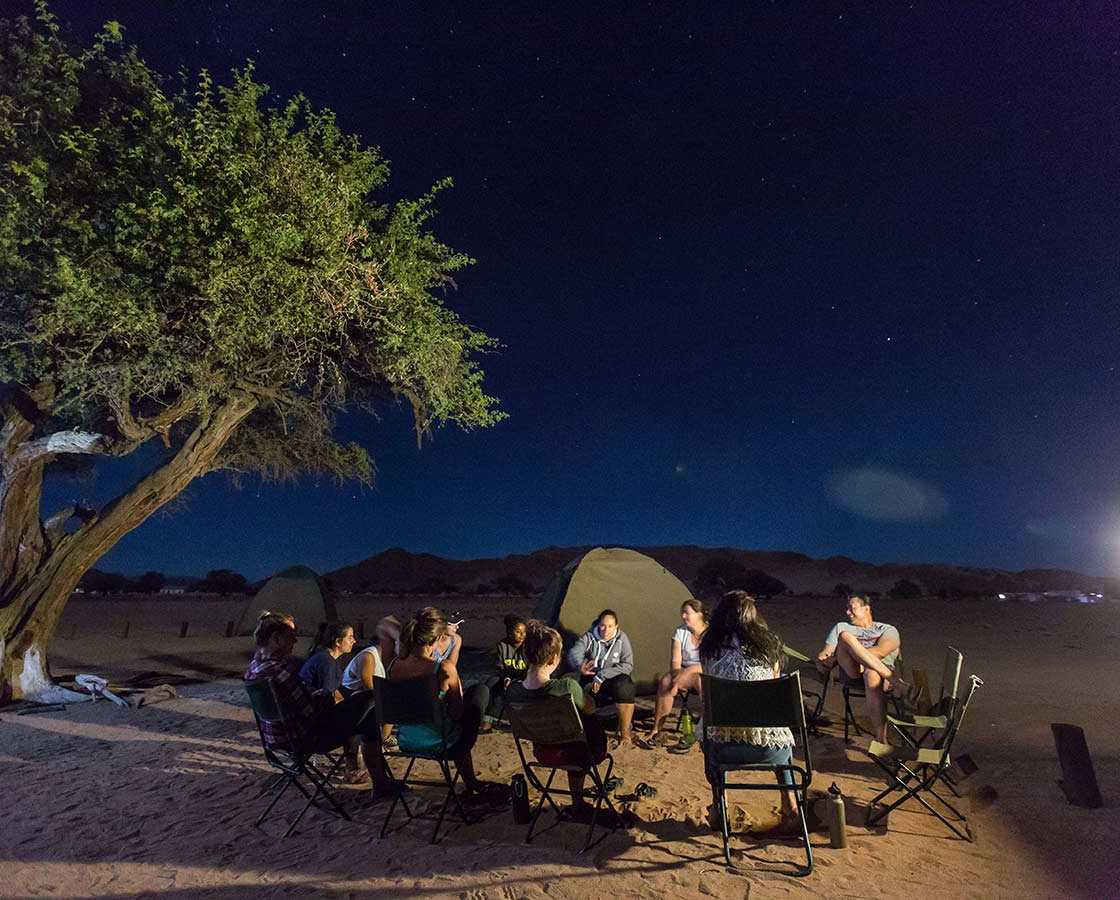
603, 659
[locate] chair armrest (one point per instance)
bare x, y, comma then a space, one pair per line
919, 722
793, 654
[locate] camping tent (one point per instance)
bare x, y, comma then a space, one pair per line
297, 591
646, 596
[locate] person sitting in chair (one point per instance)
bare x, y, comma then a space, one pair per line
865, 650
510, 658
312, 714
543, 648
739, 646
419, 638
603, 660
323, 669
684, 664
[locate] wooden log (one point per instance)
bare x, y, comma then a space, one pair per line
183, 629
1079, 781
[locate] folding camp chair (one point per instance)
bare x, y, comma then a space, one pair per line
855, 687
915, 730
816, 691
553, 725
295, 761
415, 702
915, 770
774, 703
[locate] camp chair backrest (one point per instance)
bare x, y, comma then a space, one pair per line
951, 674
412, 701
262, 698
546, 720
773, 703
962, 708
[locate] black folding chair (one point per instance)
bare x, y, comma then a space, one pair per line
773, 703
914, 770
294, 761
415, 702
552, 722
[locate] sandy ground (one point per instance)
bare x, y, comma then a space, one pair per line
104, 801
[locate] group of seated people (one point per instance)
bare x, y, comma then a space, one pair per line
322, 696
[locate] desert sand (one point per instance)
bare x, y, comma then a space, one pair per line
105, 801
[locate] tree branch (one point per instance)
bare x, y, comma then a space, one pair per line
52, 444
54, 527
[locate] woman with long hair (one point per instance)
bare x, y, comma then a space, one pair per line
684, 664
323, 670
739, 646
417, 659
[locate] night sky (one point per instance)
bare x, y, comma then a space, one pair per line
798, 276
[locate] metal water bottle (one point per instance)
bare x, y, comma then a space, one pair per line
837, 825
520, 791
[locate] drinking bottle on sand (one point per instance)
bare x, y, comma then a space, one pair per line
837, 832
687, 730
520, 791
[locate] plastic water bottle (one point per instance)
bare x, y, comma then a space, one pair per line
837, 824
520, 791
687, 730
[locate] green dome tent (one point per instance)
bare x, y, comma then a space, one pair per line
297, 591
646, 596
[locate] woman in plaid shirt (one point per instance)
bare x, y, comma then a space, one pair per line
310, 714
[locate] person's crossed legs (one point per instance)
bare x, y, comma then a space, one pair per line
857, 661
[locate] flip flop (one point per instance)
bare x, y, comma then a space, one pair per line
612, 784
644, 790
685, 744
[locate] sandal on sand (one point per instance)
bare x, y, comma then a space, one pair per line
685, 744
644, 790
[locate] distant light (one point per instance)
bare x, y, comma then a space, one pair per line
1002, 596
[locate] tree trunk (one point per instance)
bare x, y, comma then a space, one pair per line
42, 566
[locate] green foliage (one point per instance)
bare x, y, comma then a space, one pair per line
160, 249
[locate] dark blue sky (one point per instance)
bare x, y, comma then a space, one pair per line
798, 277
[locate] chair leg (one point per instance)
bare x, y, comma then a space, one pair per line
321, 781
914, 791
725, 826
398, 796
800, 800
601, 796
278, 787
540, 806
445, 768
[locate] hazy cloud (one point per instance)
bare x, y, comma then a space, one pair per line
887, 496
1053, 529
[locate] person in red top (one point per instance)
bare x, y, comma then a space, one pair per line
308, 713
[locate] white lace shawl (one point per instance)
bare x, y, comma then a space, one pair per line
734, 666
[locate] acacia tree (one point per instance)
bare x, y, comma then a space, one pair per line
197, 270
